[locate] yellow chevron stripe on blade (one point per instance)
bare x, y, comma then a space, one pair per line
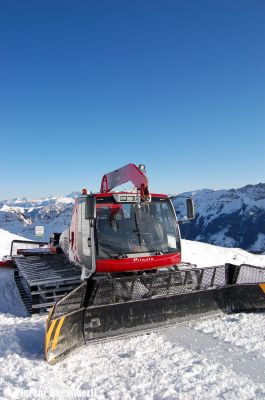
49, 334
57, 333
262, 286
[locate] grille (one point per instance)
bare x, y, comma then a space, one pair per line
101, 291
250, 274
160, 284
70, 303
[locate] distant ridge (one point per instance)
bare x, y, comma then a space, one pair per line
229, 218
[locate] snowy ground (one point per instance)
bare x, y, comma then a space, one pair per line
218, 358
205, 255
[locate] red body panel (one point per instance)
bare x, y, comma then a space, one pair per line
7, 264
138, 263
128, 173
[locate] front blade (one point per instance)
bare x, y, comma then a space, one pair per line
108, 321
65, 325
106, 308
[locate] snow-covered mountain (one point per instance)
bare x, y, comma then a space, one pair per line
20, 216
230, 218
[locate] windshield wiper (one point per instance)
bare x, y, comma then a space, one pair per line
114, 254
141, 234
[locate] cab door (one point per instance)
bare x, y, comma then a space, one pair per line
83, 236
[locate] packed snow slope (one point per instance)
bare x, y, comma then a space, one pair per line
218, 358
5, 242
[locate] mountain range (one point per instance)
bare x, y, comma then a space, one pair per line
229, 218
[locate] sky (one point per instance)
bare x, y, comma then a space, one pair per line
89, 86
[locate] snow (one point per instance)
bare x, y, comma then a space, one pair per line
217, 358
5, 242
204, 255
23, 215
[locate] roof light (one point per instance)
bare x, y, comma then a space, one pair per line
84, 192
123, 198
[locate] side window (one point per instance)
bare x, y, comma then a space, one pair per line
127, 211
159, 215
103, 222
79, 217
168, 219
84, 222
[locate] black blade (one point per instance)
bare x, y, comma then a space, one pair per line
65, 325
106, 308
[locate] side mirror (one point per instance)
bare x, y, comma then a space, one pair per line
190, 208
90, 210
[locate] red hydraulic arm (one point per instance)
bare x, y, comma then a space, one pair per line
128, 173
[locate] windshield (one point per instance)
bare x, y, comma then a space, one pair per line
123, 228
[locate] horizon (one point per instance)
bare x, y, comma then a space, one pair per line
69, 195
90, 87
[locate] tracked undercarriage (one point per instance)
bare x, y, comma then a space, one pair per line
43, 280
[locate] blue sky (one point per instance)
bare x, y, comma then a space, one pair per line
88, 86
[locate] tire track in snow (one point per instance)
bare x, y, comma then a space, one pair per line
249, 364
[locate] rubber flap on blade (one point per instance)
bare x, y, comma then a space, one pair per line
65, 325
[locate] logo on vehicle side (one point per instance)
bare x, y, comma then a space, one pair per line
143, 259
